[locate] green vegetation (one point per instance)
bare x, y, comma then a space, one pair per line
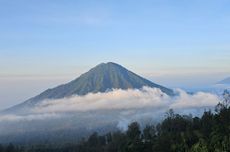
210, 133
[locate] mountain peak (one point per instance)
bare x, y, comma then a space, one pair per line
103, 77
108, 64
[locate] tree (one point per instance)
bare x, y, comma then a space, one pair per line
118, 142
225, 102
201, 146
133, 137
149, 137
149, 133
93, 140
170, 113
10, 148
207, 123
133, 132
1, 148
226, 98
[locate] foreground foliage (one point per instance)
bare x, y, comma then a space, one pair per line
210, 133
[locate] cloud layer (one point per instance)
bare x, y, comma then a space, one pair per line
147, 100
128, 99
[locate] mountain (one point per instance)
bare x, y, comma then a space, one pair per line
23, 123
225, 81
102, 78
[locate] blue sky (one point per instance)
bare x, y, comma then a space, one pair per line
178, 43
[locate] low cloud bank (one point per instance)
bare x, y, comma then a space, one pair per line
116, 99
29, 117
130, 102
128, 99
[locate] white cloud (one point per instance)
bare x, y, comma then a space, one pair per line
12, 117
128, 105
116, 99
198, 100
128, 99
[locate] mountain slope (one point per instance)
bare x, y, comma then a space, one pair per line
103, 77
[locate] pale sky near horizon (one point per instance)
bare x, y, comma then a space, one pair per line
177, 43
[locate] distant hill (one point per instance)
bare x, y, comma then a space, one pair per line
225, 81
102, 78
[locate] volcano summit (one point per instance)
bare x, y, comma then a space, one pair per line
102, 78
